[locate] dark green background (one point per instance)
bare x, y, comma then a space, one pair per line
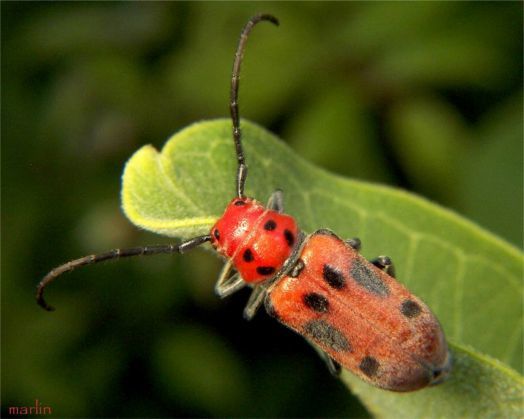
428, 95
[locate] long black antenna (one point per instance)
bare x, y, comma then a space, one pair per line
233, 104
113, 255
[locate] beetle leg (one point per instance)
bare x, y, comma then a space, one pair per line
333, 366
255, 301
276, 201
227, 285
384, 263
355, 243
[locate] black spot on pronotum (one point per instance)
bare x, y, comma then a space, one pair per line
216, 234
316, 302
265, 270
290, 238
329, 336
410, 308
369, 366
270, 225
270, 308
368, 279
333, 277
248, 255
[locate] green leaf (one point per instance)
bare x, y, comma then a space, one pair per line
470, 278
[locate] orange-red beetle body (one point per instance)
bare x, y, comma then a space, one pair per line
360, 316
319, 286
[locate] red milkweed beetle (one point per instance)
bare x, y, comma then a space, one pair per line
352, 310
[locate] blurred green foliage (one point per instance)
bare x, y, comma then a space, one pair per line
426, 96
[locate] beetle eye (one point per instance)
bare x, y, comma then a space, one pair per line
239, 202
216, 234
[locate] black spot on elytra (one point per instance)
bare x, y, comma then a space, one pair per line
316, 302
333, 277
216, 234
270, 308
323, 333
410, 308
368, 279
270, 225
248, 255
369, 366
290, 238
265, 270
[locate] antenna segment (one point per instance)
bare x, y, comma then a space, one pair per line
233, 104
